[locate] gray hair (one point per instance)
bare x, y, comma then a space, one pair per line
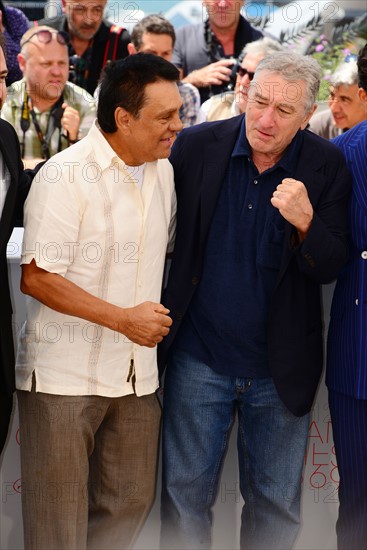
294, 67
346, 74
262, 47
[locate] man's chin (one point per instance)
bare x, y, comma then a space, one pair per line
53, 97
85, 34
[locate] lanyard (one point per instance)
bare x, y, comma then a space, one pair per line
54, 121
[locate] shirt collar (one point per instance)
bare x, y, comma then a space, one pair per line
106, 155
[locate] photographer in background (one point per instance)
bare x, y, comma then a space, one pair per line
206, 52
156, 35
346, 107
94, 41
48, 112
229, 104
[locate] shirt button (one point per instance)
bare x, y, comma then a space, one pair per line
356, 301
255, 182
364, 254
195, 280
249, 206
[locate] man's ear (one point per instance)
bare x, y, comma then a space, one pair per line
122, 119
131, 49
21, 61
362, 93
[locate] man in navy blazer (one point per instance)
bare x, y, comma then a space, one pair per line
13, 191
346, 373
261, 224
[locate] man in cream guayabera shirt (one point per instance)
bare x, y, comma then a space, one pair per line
98, 222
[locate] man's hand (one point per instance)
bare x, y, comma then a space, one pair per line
291, 199
145, 324
70, 122
31, 163
211, 75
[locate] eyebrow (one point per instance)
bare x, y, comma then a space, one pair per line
281, 105
167, 112
344, 97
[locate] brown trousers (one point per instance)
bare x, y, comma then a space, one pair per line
89, 469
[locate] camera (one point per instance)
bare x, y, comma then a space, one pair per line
233, 76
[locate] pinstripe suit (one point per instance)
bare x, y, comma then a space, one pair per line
346, 375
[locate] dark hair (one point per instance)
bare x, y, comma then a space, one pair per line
123, 85
362, 68
4, 15
154, 24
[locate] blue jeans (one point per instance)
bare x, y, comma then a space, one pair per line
199, 409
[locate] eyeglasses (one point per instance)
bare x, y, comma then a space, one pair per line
45, 37
241, 72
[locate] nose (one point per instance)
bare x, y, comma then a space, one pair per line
55, 68
334, 105
267, 117
222, 3
176, 124
93, 14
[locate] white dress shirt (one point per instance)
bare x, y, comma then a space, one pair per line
87, 220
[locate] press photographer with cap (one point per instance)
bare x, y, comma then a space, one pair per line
48, 112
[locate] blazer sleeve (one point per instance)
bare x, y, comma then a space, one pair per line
326, 247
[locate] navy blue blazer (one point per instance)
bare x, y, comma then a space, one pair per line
12, 214
199, 158
347, 338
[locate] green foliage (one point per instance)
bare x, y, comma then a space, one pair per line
344, 45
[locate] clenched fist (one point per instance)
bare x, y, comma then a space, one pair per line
291, 199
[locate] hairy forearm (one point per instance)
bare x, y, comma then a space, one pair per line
64, 296
145, 324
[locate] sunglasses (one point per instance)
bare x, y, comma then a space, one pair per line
241, 72
45, 37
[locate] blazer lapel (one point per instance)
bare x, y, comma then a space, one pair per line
307, 172
217, 153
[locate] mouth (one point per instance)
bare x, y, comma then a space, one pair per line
168, 141
264, 135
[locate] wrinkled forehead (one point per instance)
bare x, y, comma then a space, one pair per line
275, 88
50, 50
347, 90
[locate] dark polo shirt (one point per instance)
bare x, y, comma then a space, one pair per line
225, 326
